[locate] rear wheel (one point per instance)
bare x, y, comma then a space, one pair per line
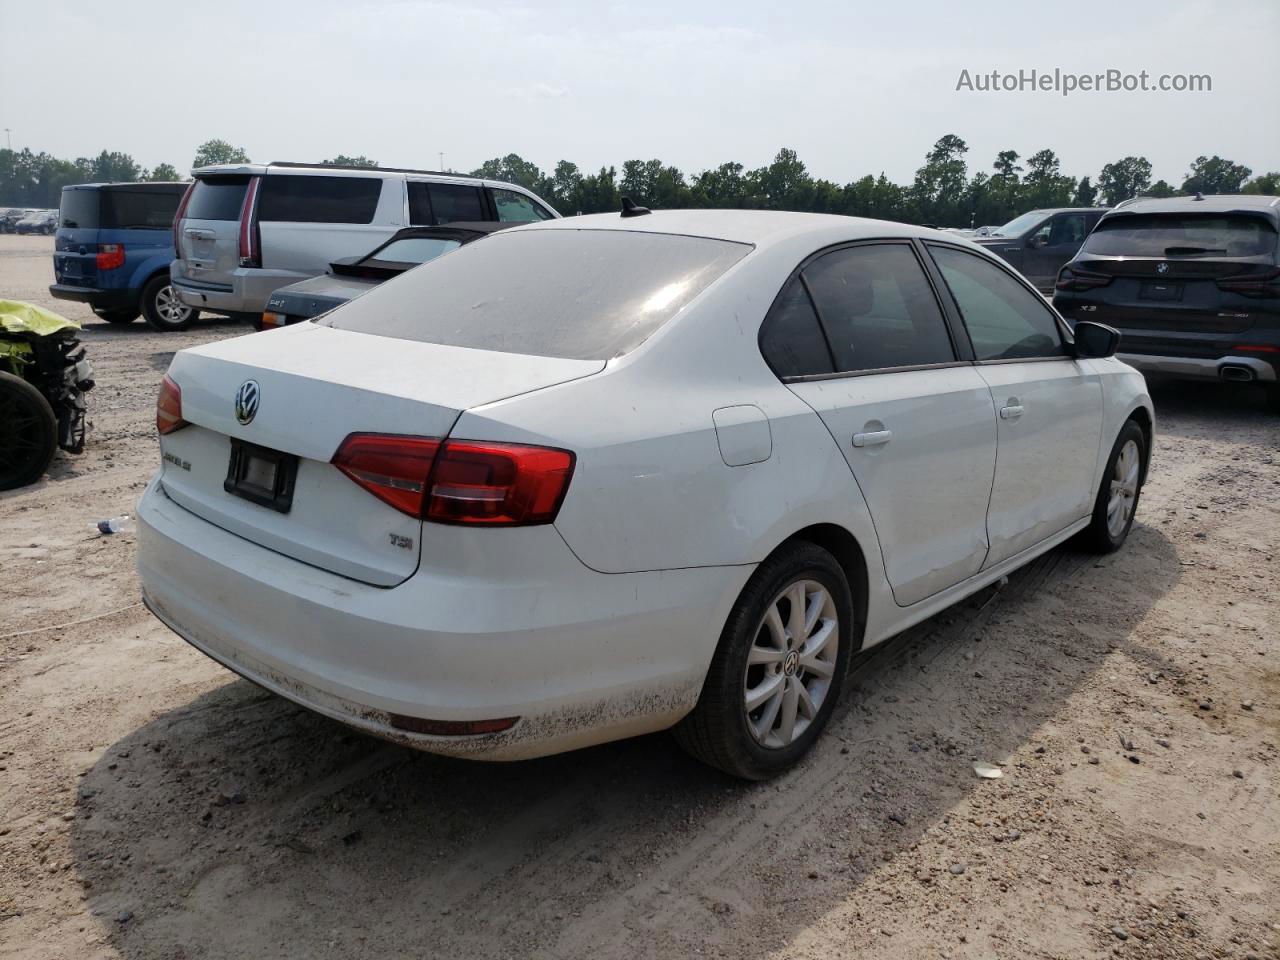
162, 308
28, 432
1118, 495
117, 316
779, 668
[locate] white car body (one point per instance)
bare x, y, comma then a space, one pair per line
694, 462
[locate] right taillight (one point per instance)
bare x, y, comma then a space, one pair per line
110, 256
169, 407
177, 220
1069, 279
459, 481
1254, 284
250, 241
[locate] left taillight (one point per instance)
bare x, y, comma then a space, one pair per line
250, 239
169, 407
110, 256
1254, 284
1069, 279
459, 481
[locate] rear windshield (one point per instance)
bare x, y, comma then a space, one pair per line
576, 294
1180, 235
217, 197
413, 250
121, 208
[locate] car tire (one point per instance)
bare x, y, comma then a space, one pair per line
28, 432
120, 317
1119, 492
750, 720
162, 308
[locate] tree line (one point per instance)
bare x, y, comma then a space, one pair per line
943, 192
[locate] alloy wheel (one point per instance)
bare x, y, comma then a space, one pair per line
1124, 488
169, 308
791, 663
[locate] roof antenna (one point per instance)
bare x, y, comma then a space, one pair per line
632, 209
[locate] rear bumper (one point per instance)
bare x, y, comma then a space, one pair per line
247, 292
529, 632
1204, 368
96, 297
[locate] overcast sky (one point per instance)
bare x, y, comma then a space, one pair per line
853, 87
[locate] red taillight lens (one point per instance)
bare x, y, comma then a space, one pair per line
1254, 284
169, 407
177, 220
250, 245
459, 481
498, 484
1069, 279
110, 256
1255, 348
394, 469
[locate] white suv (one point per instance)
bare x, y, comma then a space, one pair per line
245, 230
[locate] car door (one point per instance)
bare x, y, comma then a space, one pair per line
859, 335
1049, 405
1052, 245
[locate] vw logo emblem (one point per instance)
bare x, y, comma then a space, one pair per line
1162, 268
247, 398
791, 664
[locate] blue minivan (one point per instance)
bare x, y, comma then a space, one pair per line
113, 249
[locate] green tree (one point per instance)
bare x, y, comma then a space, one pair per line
1044, 185
650, 183
785, 184
165, 172
1123, 179
937, 194
1160, 189
512, 168
218, 151
342, 160
567, 188
115, 168
1215, 175
600, 192
725, 186
1265, 183
1086, 194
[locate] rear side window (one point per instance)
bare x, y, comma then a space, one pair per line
515, 207
79, 209
576, 294
290, 198
217, 198
1178, 235
1005, 320
791, 338
431, 204
144, 208
878, 309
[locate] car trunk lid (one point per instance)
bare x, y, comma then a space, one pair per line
315, 386
209, 235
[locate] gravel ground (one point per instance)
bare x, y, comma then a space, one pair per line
153, 805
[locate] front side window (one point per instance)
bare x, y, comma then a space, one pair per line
1005, 320
517, 208
878, 309
1069, 228
290, 198
1020, 225
791, 337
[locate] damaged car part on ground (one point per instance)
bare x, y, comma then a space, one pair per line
44, 376
673, 470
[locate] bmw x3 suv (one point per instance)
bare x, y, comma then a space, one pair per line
1192, 283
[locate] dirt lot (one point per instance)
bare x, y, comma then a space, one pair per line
153, 805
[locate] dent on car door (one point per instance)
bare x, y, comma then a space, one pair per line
859, 336
1049, 406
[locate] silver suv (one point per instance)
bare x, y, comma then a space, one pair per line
245, 230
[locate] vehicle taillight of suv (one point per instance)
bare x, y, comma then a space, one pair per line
1192, 283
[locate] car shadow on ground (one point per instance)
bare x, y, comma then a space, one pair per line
1195, 407
240, 825
139, 327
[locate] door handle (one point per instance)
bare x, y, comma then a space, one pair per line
196, 234
873, 438
1012, 412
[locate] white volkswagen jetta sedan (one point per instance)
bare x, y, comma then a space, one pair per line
607, 475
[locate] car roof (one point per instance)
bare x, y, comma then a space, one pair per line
1253, 204
760, 228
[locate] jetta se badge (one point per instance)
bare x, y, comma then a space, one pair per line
247, 401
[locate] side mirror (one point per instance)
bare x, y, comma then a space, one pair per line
1094, 340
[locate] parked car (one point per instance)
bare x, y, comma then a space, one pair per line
1039, 242
349, 277
246, 230
44, 375
41, 221
113, 249
598, 477
9, 218
1193, 283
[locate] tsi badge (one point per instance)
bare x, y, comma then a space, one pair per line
247, 401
